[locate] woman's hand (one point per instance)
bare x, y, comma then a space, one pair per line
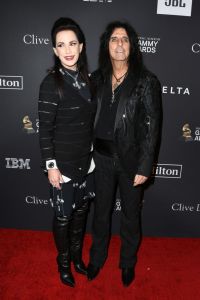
55, 178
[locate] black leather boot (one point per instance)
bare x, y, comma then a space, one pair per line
62, 241
77, 230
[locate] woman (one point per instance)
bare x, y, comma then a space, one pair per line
66, 115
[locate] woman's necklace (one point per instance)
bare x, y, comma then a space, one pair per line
76, 84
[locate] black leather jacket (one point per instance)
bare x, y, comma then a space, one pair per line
137, 122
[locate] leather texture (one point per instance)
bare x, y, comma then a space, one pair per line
138, 120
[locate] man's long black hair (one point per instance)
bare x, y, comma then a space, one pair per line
135, 62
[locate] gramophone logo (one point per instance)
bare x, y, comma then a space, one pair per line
28, 125
186, 133
190, 135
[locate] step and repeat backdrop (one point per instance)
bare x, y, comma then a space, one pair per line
170, 42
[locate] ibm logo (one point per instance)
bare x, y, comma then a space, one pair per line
17, 163
11, 82
175, 7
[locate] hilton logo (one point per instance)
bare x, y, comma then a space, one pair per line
167, 171
11, 82
175, 7
17, 163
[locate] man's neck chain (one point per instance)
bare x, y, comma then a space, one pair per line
115, 85
118, 80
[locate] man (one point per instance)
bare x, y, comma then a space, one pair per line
126, 135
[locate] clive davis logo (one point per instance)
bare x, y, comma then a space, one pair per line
11, 82
167, 171
175, 7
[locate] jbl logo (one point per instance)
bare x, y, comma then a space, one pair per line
17, 163
175, 3
175, 7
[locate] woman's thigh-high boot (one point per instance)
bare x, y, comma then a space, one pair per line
77, 230
61, 226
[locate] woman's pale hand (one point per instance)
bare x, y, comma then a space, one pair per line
55, 178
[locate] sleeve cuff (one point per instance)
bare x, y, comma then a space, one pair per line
51, 164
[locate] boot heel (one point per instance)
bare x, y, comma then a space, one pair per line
80, 267
67, 278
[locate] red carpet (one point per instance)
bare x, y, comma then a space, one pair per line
167, 269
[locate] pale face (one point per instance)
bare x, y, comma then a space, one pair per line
119, 45
68, 49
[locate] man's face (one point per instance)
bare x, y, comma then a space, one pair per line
119, 45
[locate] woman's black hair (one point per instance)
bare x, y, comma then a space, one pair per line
135, 62
82, 65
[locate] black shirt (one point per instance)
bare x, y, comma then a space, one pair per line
105, 125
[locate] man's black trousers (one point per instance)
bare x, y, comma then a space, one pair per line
108, 176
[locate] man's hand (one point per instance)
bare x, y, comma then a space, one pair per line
139, 179
55, 178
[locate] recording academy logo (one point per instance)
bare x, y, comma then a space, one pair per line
98, 1
196, 48
28, 125
167, 171
189, 135
11, 82
148, 44
175, 7
186, 133
175, 90
33, 39
17, 163
182, 207
34, 200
